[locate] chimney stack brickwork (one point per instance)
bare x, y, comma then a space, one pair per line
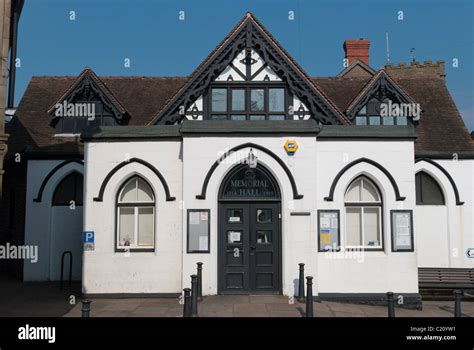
5, 18
357, 50
416, 70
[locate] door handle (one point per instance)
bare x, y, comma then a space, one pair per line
252, 250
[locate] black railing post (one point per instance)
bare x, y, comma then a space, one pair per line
86, 308
62, 268
309, 296
301, 284
457, 303
199, 274
187, 302
390, 304
194, 292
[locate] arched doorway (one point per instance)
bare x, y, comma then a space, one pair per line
249, 237
66, 226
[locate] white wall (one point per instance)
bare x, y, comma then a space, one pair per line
107, 271
38, 220
371, 272
446, 232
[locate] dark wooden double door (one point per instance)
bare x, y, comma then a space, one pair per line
249, 248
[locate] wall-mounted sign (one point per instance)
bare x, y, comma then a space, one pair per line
291, 146
249, 183
402, 230
88, 239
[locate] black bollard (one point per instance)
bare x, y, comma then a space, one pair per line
390, 304
194, 294
199, 274
457, 303
187, 302
86, 308
309, 296
301, 284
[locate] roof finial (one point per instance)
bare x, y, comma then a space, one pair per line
249, 14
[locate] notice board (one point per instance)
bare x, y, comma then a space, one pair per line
198, 231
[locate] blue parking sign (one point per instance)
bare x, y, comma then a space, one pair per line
88, 236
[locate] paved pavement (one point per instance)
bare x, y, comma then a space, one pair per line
258, 306
36, 299
45, 299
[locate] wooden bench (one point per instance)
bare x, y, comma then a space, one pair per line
432, 279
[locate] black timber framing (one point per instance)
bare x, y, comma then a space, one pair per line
249, 34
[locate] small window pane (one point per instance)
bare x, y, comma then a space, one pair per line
257, 117
353, 194
237, 117
238, 100
234, 237
126, 226
371, 227
361, 120
276, 117
353, 226
145, 226
388, 121
363, 110
145, 193
276, 100
219, 100
234, 215
219, 117
264, 236
369, 192
374, 120
402, 121
257, 100
428, 192
129, 193
264, 216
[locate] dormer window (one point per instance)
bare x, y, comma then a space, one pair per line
88, 102
371, 114
248, 102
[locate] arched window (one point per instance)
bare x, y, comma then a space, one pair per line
428, 191
69, 190
363, 204
135, 216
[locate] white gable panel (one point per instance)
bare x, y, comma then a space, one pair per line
197, 106
229, 72
267, 74
257, 62
299, 109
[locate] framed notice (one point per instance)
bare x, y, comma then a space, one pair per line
402, 230
329, 232
198, 231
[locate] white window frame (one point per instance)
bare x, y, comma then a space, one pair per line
135, 206
362, 206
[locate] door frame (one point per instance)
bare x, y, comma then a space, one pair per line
220, 244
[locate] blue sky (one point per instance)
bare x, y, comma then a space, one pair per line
150, 34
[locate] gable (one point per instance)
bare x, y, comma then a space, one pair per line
87, 98
357, 69
380, 88
250, 54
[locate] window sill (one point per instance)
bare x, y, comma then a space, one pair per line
135, 250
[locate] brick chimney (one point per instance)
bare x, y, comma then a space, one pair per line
357, 50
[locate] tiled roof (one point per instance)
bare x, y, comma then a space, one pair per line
440, 129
